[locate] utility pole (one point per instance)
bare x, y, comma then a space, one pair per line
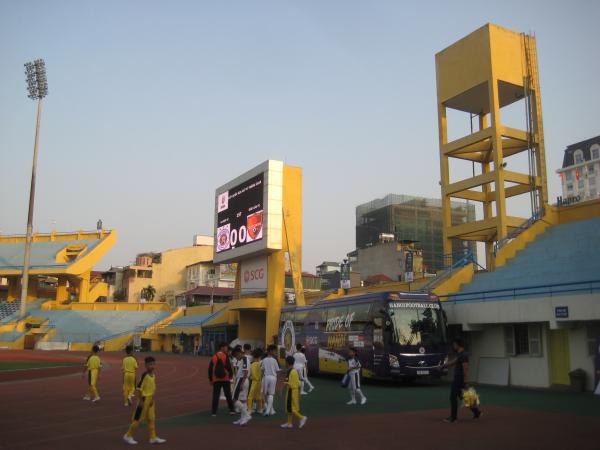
37, 85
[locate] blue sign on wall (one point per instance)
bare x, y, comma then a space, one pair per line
561, 312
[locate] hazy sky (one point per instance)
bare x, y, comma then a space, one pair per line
152, 105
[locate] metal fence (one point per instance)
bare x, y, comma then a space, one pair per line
542, 290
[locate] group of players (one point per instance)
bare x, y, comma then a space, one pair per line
145, 390
253, 376
251, 373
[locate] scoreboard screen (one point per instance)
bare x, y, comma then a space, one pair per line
240, 214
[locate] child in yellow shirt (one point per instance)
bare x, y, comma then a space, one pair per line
145, 408
129, 366
92, 366
255, 394
292, 398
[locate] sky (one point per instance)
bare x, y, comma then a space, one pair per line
153, 105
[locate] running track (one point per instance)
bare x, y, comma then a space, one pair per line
49, 413
44, 413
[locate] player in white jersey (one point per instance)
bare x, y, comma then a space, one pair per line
354, 368
300, 365
248, 353
241, 386
270, 367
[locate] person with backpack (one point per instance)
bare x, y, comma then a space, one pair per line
220, 374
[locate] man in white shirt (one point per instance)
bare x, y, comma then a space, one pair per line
300, 365
240, 391
270, 367
354, 368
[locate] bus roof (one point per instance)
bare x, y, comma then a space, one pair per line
382, 296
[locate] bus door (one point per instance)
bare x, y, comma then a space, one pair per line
380, 365
311, 333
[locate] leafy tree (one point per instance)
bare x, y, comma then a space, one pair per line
149, 292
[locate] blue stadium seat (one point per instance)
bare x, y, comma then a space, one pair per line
563, 254
92, 326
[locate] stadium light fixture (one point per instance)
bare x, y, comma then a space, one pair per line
37, 87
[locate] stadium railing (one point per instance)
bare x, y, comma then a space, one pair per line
517, 231
447, 273
549, 290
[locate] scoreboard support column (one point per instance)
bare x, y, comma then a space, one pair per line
292, 244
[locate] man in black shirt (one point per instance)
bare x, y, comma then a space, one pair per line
461, 373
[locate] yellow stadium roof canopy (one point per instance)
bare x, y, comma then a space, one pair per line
69, 253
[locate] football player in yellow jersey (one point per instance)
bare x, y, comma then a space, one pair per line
292, 398
92, 366
255, 394
146, 389
129, 365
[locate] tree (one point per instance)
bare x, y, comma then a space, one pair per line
120, 295
149, 293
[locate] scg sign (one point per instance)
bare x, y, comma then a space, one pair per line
254, 275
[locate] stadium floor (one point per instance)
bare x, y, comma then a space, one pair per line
49, 413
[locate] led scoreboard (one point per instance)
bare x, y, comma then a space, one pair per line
248, 215
240, 214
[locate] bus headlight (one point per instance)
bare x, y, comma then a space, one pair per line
394, 361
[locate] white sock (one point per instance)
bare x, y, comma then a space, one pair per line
244, 412
360, 394
269, 403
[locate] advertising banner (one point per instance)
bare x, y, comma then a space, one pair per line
254, 275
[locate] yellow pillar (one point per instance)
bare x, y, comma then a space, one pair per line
498, 157
84, 287
61, 290
292, 226
445, 180
275, 294
32, 289
14, 288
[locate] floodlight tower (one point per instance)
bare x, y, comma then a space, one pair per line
481, 74
37, 86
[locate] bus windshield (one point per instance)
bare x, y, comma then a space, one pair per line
418, 326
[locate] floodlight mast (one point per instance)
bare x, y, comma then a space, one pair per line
37, 87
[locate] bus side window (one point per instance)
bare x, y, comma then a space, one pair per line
321, 322
360, 317
298, 320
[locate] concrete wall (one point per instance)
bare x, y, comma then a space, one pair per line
581, 307
530, 371
169, 277
381, 259
578, 352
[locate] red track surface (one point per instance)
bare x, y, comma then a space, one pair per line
29, 374
50, 414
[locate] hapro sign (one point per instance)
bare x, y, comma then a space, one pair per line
254, 275
248, 214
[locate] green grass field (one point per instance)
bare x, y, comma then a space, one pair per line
329, 399
22, 365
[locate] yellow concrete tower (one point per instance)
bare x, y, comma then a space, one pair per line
480, 74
